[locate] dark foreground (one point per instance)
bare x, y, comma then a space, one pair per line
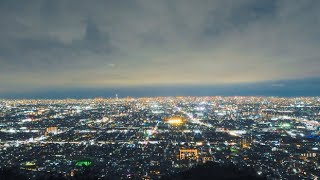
209, 170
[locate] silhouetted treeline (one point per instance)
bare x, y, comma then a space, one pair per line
211, 170
208, 170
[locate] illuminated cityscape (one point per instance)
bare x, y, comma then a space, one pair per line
159, 89
154, 137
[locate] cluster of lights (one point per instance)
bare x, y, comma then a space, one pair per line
175, 121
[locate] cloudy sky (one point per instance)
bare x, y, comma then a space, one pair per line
53, 45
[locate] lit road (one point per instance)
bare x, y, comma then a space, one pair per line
192, 119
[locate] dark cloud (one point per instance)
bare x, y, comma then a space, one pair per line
149, 42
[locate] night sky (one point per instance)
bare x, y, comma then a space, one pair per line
89, 48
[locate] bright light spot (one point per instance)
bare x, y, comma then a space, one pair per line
197, 131
285, 125
175, 121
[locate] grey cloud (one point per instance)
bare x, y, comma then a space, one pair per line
207, 41
239, 16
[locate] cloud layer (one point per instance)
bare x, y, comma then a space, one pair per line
59, 44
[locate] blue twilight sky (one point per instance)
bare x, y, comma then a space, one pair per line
81, 48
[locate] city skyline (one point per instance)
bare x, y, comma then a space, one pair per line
224, 47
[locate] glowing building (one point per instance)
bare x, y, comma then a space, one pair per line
52, 130
188, 154
176, 121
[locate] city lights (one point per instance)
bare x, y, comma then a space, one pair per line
161, 136
175, 121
